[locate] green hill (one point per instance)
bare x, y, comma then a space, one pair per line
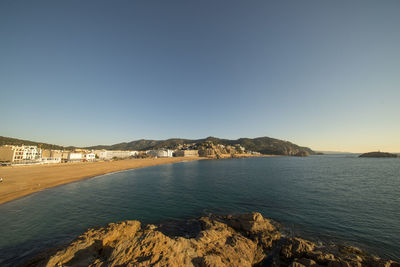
18, 142
264, 145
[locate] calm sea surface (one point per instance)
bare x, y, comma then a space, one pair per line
338, 198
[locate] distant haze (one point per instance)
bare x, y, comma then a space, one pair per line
322, 74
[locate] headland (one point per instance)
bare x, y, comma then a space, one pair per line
378, 154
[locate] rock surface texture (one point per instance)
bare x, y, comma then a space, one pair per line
233, 240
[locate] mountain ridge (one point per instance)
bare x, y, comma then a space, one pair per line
263, 145
15, 141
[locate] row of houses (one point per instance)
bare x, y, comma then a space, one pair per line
34, 155
168, 153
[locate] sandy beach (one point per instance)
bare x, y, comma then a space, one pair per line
20, 181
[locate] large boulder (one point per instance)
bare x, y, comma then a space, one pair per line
296, 248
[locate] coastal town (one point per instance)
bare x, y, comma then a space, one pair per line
199, 133
26, 169
32, 155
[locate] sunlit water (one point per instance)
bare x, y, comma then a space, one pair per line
342, 199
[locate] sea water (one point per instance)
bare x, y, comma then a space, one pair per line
340, 198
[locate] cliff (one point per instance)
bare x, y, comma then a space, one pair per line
234, 240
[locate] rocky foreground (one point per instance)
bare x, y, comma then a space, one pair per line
234, 240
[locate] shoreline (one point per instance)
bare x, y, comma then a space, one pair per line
20, 181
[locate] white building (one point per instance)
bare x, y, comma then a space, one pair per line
89, 156
133, 153
50, 160
31, 153
161, 153
110, 154
74, 156
240, 148
20, 153
101, 154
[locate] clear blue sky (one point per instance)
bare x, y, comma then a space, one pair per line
324, 74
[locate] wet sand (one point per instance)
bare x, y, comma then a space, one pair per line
20, 181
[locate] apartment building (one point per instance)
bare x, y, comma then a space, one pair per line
12, 153
30, 154
161, 153
75, 156
89, 156
110, 154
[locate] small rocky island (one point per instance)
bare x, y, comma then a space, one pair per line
233, 240
378, 154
